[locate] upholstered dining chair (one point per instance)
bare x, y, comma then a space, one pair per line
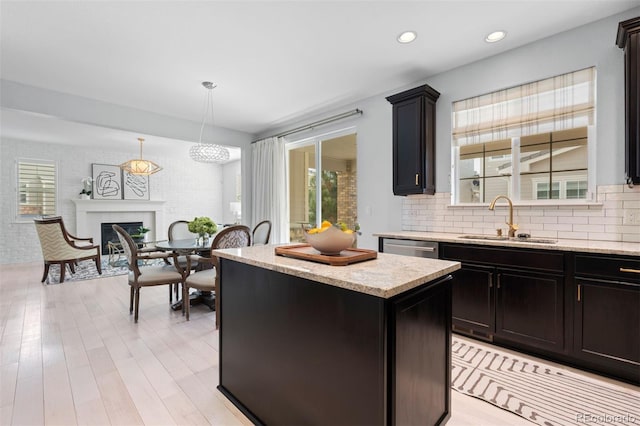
179, 230
60, 247
261, 233
208, 279
145, 276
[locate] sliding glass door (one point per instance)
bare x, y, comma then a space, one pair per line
322, 182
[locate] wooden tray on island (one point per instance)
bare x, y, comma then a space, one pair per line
346, 257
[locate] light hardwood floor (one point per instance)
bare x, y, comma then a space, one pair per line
71, 354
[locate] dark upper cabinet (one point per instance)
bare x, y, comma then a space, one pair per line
414, 115
629, 40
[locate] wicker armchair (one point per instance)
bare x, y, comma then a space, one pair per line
60, 247
208, 279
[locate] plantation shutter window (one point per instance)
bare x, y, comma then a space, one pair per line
36, 188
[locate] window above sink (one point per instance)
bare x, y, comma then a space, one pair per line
532, 142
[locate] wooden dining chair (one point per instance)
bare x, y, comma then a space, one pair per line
261, 233
208, 279
145, 276
179, 230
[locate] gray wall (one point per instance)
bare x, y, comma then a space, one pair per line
589, 45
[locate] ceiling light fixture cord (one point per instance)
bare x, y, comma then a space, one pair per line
208, 152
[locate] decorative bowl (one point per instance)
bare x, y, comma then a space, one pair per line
331, 241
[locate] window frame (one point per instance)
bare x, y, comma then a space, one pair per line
515, 178
28, 218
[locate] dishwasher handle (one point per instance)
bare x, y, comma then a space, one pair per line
418, 248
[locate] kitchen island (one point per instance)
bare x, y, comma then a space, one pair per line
307, 343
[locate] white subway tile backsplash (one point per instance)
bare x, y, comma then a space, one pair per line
623, 196
544, 219
604, 236
589, 228
631, 238
606, 220
564, 212
573, 235
597, 222
558, 227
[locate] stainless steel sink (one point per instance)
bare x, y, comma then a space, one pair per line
503, 238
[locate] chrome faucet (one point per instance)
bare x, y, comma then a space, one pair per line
512, 226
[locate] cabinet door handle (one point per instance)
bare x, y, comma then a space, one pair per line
490, 279
499, 280
633, 271
417, 176
579, 292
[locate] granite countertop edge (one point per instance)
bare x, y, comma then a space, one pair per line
585, 246
386, 276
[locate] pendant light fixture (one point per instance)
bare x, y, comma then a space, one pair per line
140, 166
208, 152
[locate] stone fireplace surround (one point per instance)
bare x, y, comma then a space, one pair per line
90, 214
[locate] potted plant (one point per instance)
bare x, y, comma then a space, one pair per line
85, 194
87, 182
202, 226
138, 237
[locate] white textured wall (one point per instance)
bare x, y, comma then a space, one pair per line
230, 174
189, 188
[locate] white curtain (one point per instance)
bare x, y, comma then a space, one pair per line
269, 187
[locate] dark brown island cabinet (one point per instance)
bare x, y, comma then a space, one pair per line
310, 344
582, 309
628, 39
414, 116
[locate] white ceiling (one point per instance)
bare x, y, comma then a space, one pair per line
272, 60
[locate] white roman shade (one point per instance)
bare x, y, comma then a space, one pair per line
563, 102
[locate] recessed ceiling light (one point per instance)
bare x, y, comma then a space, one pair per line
495, 36
407, 37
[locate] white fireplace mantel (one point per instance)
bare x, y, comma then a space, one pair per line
87, 209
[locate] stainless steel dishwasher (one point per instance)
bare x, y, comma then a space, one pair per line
413, 248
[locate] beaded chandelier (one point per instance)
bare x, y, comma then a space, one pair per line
208, 152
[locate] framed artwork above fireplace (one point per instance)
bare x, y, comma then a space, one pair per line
136, 187
107, 182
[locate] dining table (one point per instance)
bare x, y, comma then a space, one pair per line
186, 247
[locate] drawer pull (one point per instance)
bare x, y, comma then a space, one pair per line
633, 271
579, 291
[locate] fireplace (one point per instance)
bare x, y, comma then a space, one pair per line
107, 233
91, 213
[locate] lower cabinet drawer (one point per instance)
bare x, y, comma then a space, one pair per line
617, 268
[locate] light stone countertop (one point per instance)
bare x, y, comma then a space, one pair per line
385, 277
586, 246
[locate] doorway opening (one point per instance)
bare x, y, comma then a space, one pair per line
322, 182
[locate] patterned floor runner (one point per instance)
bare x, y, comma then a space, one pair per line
540, 393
